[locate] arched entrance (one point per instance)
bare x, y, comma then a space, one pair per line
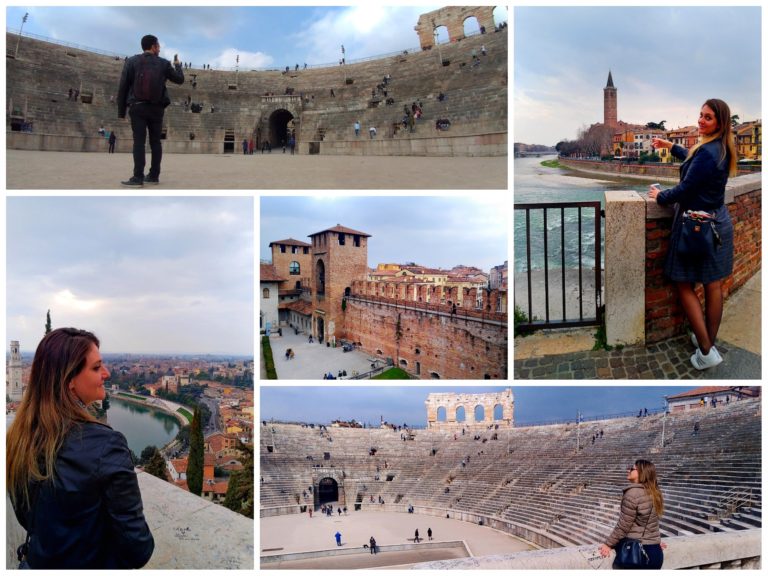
278, 127
327, 491
320, 330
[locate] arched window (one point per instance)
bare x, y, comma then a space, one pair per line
442, 414
294, 268
471, 26
441, 34
265, 293
461, 415
498, 412
479, 413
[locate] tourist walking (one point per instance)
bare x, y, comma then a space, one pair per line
143, 93
338, 538
416, 536
700, 196
641, 506
372, 545
70, 478
429, 533
112, 140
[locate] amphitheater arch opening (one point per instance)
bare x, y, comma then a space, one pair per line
498, 412
461, 414
327, 491
442, 414
479, 413
500, 15
471, 26
278, 127
441, 35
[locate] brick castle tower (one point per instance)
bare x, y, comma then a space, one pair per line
610, 105
292, 260
339, 256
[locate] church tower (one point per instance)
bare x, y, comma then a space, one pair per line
15, 388
339, 257
610, 106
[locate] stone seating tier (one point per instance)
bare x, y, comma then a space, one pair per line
534, 476
39, 80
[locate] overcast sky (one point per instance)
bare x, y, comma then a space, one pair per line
400, 404
146, 275
665, 61
272, 37
433, 231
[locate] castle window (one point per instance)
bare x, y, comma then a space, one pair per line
356, 240
306, 250
320, 277
265, 293
341, 239
294, 249
282, 248
294, 268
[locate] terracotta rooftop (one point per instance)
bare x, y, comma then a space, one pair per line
268, 273
300, 306
291, 242
706, 390
341, 229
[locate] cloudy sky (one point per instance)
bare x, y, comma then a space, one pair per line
665, 61
432, 231
272, 37
398, 404
146, 275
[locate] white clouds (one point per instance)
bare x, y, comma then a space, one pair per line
227, 58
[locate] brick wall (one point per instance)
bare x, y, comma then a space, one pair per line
664, 316
452, 346
282, 261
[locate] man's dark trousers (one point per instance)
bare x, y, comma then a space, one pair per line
145, 118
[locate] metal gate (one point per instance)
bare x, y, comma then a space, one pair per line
541, 310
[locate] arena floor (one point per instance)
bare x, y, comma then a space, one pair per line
27, 170
300, 533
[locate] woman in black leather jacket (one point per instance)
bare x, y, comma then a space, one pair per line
71, 478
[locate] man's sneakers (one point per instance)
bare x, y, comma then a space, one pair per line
702, 361
133, 182
153, 180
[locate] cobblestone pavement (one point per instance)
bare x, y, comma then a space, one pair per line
668, 360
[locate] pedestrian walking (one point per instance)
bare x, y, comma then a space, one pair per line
429, 533
416, 536
372, 545
338, 538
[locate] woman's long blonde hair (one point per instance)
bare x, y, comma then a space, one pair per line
48, 410
646, 475
724, 133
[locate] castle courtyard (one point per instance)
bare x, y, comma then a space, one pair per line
311, 361
36, 170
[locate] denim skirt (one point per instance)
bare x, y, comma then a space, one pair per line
701, 269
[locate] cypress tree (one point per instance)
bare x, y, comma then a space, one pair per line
240, 497
156, 465
196, 456
48, 322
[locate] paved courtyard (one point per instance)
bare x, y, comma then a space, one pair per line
96, 171
311, 361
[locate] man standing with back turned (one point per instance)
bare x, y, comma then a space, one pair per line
142, 88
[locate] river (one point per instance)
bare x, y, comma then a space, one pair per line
534, 183
141, 425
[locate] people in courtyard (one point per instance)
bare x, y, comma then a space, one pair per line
416, 536
700, 199
112, 141
143, 94
372, 545
70, 478
429, 533
245, 146
641, 507
338, 538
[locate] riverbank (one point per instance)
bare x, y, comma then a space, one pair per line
161, 405
641, 172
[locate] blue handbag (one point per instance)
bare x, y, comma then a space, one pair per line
698, 236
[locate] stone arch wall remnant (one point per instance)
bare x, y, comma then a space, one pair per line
452, 17
451, 403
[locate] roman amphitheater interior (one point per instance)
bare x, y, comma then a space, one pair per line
551, 485
319, 104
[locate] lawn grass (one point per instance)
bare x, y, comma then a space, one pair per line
269, 362
132, 395
186, 414
551, 164
392, 374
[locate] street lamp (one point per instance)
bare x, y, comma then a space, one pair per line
23, 20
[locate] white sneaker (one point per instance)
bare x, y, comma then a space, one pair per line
705, 361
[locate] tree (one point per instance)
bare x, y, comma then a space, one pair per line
196, 455
734, 120
239, 496
656, 125
48, 322
156, 464
147, 454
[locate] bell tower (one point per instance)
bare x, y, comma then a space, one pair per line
15, 388
610, 105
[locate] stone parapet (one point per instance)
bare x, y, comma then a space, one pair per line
724, 550
190, 532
